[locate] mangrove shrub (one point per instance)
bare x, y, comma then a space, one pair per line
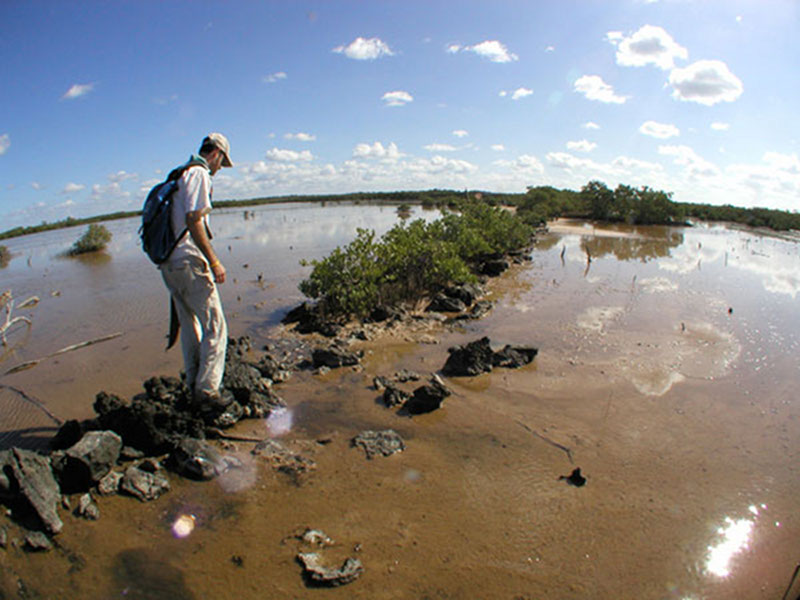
96, 238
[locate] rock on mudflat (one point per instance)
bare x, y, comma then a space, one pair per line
36, 541
87, 508
318, 574
477, 357
89, 460
334, 357
426, 398
145, 486
197, 459
28, 475
385, 442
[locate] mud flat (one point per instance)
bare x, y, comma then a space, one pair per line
666, 373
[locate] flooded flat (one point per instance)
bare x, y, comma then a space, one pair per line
667, 370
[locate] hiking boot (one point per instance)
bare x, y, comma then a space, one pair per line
212, 400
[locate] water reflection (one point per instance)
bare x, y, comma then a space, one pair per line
632, 248
736, 535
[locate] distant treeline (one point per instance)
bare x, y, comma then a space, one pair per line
625, 204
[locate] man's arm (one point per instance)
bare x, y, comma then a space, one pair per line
197, 229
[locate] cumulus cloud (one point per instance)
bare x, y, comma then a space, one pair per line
581, 145
365, 49
594, 88
377, 150
490, 49
72, 188
695, 165
705, 82
649, 45
521, 92
5, 143
659, 130
550, 49
110, 191
590, 125
275, 77
77, 90
397, 98
525, 163
783, 162
36, 185
498, 147
717, 126
300, 137
629, 164
460, 133
280, 155
440, 148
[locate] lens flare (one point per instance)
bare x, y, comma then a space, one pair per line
279, 422
183, 526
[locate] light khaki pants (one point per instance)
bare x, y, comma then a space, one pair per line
204, 332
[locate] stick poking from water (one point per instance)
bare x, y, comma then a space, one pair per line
37, 403
548, 440
32, 363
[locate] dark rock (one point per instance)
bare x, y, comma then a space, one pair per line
68, 434
143, 485
426, 398
384, 313
513, 357
380, 382
88, 461
109, 484
302, 312
272, 369
405, 375
334, 357
34, 481
36, 541
470, 359
196, 459
150, 465
443, 303
128, 453
318, 574
480, 308
393, 396
105, 403
3, 537
575, 478
467, 293
283, 459
385, 442
87, 508
494, 267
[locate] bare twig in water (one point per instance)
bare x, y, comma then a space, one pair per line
32, 363
791, 582
7, 302
37, 403
548, 440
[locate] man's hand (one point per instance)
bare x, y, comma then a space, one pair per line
219, 272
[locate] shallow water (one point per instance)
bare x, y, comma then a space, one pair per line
668, 366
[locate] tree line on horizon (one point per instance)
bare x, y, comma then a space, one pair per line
595, 200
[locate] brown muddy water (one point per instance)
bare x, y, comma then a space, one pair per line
668, 366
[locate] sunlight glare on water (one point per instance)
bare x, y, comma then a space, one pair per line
736, 536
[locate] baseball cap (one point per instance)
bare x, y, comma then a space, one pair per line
221, 142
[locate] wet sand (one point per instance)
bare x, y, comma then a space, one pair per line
680, 413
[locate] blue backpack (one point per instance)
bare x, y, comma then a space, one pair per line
158, 238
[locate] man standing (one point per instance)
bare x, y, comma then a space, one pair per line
192, 271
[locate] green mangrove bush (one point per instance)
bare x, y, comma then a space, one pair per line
96, 238
411, 260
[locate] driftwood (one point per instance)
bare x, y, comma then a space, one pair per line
32, 363
7, 302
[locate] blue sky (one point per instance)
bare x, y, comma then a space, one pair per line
100, 99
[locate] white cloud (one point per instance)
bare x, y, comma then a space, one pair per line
649, 45
377, 150
108, 192
36, 185
550, 49
590, 125
502, 93
783, 162
525, 163
521, 93
440, 148
5, 143
280, 155
493, 50
300, 137
78, 90
695, 165
581, 146
365, 49
164, 100
275, 77
498, 147
566, 161
705, 82
629, 164
72, 188
453, 48
717, 126
397, 98
460, 133
121, 176
594, 88
659, 130
615, 37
